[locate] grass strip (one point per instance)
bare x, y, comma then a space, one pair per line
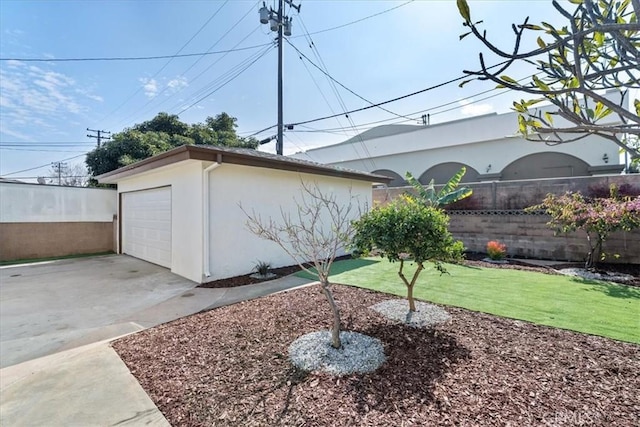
588, 306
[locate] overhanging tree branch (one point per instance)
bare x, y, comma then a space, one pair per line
598, 50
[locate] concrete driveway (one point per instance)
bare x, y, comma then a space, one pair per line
54, 306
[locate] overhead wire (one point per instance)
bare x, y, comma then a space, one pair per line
366, 126
359, 20
136, 58
186, 55
230, 79
180, 90
344, 132
208, 86
302, 55
43, 166
139, 89
341, 102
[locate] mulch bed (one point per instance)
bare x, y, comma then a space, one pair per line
229, 367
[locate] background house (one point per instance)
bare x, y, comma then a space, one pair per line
487, 145
181, 209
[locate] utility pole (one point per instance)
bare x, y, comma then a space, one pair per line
281, 23
58, 167
99, 135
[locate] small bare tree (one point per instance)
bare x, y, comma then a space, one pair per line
313, 236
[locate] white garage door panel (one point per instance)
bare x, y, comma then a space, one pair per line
146, 225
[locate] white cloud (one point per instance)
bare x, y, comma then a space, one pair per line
150, 86
12, 63
471, 109
36, 100
177, 84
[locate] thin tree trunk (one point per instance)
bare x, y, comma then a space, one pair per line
335, 330
594, 251
412, 304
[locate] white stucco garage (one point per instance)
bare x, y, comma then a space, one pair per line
181, 209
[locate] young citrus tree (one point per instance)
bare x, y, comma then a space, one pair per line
407, 230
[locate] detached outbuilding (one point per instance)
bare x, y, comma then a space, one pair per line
181, 209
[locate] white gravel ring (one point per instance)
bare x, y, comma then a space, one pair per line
359, 353
424, 316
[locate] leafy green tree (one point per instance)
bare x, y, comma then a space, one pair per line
450, 193
404, 230
597, 217
598, 49
160, 134
163, 122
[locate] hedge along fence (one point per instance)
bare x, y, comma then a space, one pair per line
494, 212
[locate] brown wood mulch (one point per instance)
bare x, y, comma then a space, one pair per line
229, 367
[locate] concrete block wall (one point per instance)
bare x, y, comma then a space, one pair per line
43, 221
502, 195
494, 212
528, 236
33, 240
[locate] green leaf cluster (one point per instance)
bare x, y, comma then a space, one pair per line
598, 50
406, 228
160, 134
450, 193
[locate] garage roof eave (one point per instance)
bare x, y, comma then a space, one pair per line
238, 156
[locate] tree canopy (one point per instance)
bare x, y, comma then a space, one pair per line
598, 49
160, 134
407, 229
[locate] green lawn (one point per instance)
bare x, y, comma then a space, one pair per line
591, 307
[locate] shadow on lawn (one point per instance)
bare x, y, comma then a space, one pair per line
416, 359
611, 289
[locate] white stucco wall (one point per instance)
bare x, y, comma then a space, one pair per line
233, 249
46, 203
477, 141
185, 179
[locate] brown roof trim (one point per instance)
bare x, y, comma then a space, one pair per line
238, 157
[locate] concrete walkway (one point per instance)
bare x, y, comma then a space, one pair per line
89, 385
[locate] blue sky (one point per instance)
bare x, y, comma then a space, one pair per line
47, 106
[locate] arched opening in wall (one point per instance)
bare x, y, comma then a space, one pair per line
545, 165
442, 173
396, 180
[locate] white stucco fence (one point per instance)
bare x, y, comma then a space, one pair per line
46, 203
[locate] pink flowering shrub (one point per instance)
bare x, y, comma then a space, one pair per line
597, 217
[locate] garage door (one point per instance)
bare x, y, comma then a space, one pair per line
146, 225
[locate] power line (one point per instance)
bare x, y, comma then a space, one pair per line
186, 55
360, 20
332, 84
366, 126
215, 81
43, 166
436, 86
165, 64
226, 82
341, 85
42, 151
136, 58
198, 60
